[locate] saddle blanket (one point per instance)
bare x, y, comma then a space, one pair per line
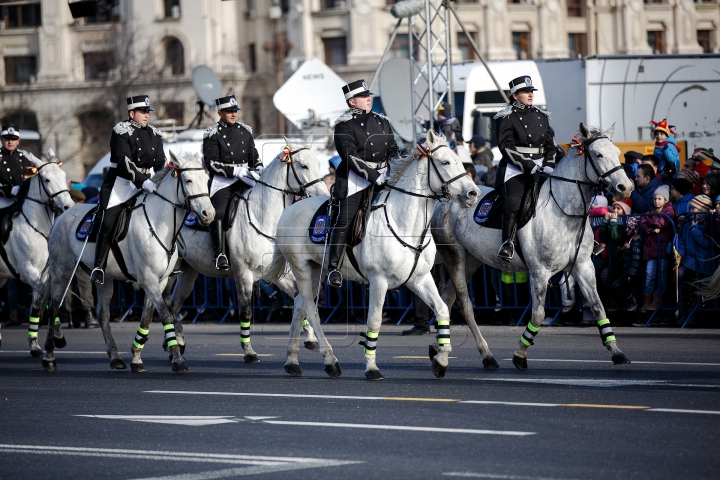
319, 226
191, 220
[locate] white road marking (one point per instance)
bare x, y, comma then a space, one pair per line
255, 464
585, 382
606, 361
678, 410
254, 394
523, 404
402, 427
255, 419
195, 421
493, 475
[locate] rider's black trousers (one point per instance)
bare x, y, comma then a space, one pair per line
513, 191
222, 197
347, 209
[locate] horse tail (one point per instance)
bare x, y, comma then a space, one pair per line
710, 287
277, 268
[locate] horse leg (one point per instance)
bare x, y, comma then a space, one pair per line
425, 289
136, 364
538, 289
584, 274
182, 289
376, 300
105, 293
36, 310
292, 364
287, 285
154, 291
313, 324
462, 268
243, 288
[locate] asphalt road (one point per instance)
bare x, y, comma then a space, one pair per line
571, 415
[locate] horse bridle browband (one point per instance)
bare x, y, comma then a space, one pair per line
302, 188
444, 183
49, 203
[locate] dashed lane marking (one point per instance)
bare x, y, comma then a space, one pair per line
679, 410
494, 475
402, 428
639, 362
595, 382
194, 421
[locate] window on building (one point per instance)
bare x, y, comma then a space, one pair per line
704, 38
399, 48
98, 65
174, 111
575, 8
656, 40
330, 4
111, 15
175, 56
96, 125
19, 69
252, 58
172, 8
22, 16
521, 45
577, 44
467, 53
335, 50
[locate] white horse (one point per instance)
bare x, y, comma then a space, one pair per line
397, 250
27, 245
558, 239
148, 250
251, 239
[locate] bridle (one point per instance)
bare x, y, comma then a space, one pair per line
48, 205
287, 159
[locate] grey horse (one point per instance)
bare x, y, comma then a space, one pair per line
27, 244
148, 250
558, 239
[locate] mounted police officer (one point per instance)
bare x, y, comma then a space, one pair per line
12, 169
526, 143
364, 140
136, 154
230, 155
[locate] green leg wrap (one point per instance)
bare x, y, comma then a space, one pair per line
370, 342
245, 332
34, 326
443, 332
140, 338
170, 335
529, 334
606, 331
305, 323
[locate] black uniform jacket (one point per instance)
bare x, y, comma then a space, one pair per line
364, 141
523, 127
228, 146
136, 153
11, 170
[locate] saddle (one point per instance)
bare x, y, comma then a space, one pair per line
488, 213
356, 232
87, 228
230, 214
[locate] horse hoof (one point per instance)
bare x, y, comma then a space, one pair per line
252, 358
374, 375
437, 369
333, 370
117, 364
179, 367
165, 347
36, 352
293, 370
182, 349
138, 368
490, 363
432, 351
314, 346
620, 359
60, 342
520, 362
49, 366
170, 358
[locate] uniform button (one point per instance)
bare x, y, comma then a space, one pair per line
231, 153
525, 126
520, 118
223, 136
8, 169
371, 144
228, 144
529, 135
139, 148
219, 128
361, 124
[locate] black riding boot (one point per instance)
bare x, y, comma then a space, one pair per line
507, 250
217, 236
102, 249
337, 250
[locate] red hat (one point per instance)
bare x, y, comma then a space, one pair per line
663, 126
626, 205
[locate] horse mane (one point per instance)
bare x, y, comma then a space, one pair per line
187, 157
400, 164
159, 176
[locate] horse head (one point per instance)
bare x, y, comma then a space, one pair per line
51, 181
604, 160
446, 172
303, 168
192, 188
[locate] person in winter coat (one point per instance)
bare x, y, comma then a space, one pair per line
710, 185
646, 183
628, 288
666, 148
612, 235
681, 191
658, 231
694, 243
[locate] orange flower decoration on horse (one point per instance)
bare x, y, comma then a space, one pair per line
32, 171
172, 167
577, 144
286, 158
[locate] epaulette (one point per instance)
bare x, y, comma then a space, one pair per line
210, 131
343, 118
123, 127
246, 127
504, 112
381, 116
544, 112
155, 130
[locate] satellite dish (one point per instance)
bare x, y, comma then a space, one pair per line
394, 86
208, 87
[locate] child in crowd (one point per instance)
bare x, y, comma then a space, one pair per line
627, 289
613, 237
666, 149
658, 231
681, 191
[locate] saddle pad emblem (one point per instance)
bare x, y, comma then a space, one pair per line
191, 220
319, 230
483, 212
85, 228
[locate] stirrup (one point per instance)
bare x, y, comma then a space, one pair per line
100, 279
217, 262
507, 258
335, 284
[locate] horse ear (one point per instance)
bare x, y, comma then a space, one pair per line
431, 137
609, 132
286, 140
584, 131
174, 157
309, 139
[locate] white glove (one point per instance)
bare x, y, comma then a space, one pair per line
15, 190
255, 175
259, 169
535, 169
240, 172
548, 170
249, 180
383, 172
149, 186
380, 180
